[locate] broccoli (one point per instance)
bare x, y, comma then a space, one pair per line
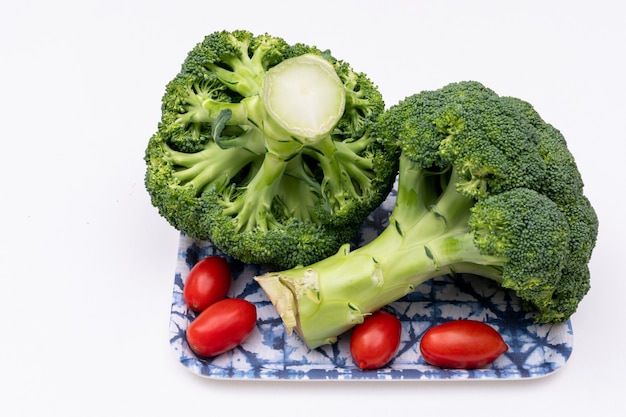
485, 187
267, 149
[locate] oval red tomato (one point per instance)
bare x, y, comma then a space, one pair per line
221, 326
208, 281
375, 341
462, 344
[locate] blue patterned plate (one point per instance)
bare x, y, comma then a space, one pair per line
534, 350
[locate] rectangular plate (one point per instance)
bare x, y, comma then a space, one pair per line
535, 350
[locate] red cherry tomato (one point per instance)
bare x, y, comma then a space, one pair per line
375, 341
462, 344
221, 326
208, 281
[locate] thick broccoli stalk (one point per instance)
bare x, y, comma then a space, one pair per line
267, 150
485, 187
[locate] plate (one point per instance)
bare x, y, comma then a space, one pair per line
535, 350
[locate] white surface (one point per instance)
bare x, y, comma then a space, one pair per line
87, 264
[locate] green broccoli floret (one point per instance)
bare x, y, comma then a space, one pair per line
485, 187
267, 149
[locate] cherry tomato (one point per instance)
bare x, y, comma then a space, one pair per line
375, 341
208, 281
462, 344
221, 326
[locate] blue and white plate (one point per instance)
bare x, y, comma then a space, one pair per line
535, 350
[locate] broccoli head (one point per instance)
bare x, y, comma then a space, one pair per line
267, 149
485, 187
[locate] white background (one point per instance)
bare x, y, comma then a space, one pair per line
87, 264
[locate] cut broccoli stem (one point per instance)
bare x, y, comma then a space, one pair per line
337, 293
305, 96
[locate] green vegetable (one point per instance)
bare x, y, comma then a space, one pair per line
266, 149
485, 187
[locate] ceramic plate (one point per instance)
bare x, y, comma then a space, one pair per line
535, 350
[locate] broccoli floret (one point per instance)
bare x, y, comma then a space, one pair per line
485, 187
267, 149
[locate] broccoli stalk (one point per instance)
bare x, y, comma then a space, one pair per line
305, 96
473, 197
